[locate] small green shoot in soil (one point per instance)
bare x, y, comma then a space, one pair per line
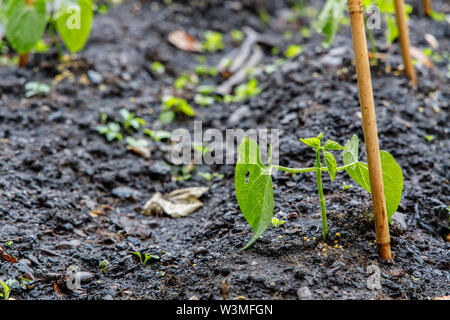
35, 88
253, 180
158, 67
146, 258
213, 41
111, 131
5, 292
129, 121
170, 105
292, 51
277, 222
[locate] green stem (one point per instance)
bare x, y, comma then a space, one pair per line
372, 40
321, 196
311, 169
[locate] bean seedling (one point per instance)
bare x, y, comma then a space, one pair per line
253, 180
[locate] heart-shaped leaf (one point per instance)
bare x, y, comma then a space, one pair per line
392, 175
254, 192
25, 24
330, 163
74, 21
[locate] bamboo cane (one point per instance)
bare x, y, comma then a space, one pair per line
355, 9
427, 7
404, 40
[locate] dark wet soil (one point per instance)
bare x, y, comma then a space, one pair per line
55, 168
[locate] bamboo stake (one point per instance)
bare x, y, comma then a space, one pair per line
404, 40
355, 9
427, 7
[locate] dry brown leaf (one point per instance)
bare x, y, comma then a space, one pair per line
184, 41
144, 152
7, 257
417, 54
178, 203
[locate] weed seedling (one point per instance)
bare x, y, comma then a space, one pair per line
158, 68
111, 131
147, 257
277, 222
292, 51
170, 105
253, 180
213, 41
130, 121
4, 294
158, 135
35, 88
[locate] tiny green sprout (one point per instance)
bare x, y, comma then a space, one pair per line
201, 148
185, 173
158, 135
288, 34
161, 273
210, 176
253, 179
130, 121
186, 80
5, 292
264, 16
346, 186
111, 131
213, 41
103, 117
237, 35
203, 100
103, 266
137, 143
9, 243
275, 51
35, 88
429, 137
205, 70
206, 89
292, 51
437, 16
305, 32
147, 257
170, 105
247, 90
276, 222
158, 67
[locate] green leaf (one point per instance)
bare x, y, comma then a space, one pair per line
74, 21
359, 172
330, 163
329, 19
253, 183
392, 175
332, 145
391, 30
312, 142
25, 25
166, 116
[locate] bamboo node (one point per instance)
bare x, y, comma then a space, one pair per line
354, 6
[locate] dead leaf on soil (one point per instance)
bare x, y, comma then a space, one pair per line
7, 257
178, 203
144, 152
184, 41
417, 54
101, 210
442, 298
